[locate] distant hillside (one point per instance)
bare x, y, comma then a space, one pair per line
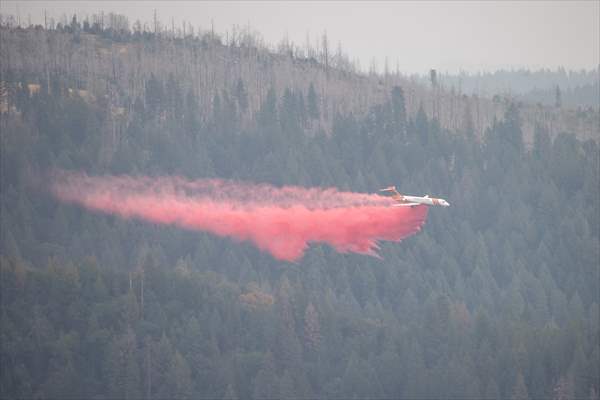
576, 89
115, 65
521, 81
577, 97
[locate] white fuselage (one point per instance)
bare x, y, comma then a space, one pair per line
403, 200
430, 201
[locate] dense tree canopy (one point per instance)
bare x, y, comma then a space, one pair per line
498, 296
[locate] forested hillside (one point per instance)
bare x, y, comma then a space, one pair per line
576, 89
105, 58
497, 296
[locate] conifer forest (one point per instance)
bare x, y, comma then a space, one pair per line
496, 297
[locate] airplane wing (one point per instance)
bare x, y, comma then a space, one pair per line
405, 204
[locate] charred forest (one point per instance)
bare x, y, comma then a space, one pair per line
498, 296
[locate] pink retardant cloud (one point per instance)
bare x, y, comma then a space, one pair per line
282, 221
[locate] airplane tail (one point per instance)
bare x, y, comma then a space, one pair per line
391, 189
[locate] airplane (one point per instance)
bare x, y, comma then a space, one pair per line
406, 201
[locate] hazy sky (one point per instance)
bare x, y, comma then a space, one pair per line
448, 36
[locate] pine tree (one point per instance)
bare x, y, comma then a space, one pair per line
289, 348
230, 393
312, 330
179, 377
563, 389
266, 381
122, 367
287, 388
399, 111
422, 126
241, 95
313, 102
519, 391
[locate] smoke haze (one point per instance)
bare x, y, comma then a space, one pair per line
281, 221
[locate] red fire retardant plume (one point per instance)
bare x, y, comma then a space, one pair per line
281, 221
